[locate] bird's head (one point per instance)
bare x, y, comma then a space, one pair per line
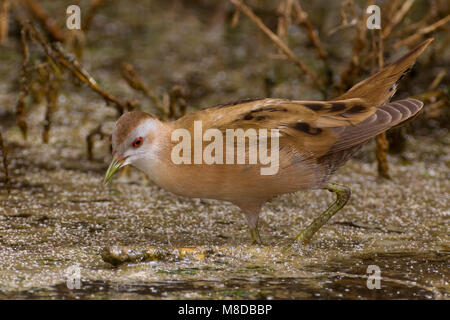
133, 140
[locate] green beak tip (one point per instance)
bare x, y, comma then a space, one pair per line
115, 165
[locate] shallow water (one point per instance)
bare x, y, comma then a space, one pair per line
59, 215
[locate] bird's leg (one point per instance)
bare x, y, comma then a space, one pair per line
254, 234
252, 220
343, 194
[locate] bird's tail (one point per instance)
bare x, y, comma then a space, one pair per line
381, 86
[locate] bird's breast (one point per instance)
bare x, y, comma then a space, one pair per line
235, 183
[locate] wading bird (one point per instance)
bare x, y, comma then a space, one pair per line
315, 139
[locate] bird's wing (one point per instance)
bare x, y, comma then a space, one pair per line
311, 128
315, 127
307, 126
315, 138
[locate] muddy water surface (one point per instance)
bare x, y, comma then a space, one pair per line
58, 215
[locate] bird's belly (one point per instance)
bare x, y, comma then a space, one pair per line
231, 183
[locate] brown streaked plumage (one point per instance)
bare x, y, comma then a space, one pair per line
315, 138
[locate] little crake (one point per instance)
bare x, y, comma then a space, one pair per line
315, 139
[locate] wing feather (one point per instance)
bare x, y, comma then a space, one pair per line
308, 126
386, 116
314, 135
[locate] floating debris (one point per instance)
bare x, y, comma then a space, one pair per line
117, 254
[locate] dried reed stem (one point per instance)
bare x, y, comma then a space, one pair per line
382, 143
353, 69
176, 97
4, 26
21, 110
313, 36
382, 148
95, 5
396, 18
421, 32
437, 80
59, 56
284, 19
134, 81
52, 86
69, 62
303, 19
346, 23
278, 42
45, 19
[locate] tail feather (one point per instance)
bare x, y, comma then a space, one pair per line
381, 86
351, 138
387, 116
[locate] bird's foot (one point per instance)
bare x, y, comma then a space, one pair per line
304, 237
300, 240
254, 234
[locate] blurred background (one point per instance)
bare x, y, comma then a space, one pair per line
62, 90
201, 53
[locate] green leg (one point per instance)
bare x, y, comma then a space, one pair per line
254, 234
343, 194
251, 213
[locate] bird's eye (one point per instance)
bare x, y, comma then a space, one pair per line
137, 142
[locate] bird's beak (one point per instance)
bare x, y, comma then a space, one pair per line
115, 165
